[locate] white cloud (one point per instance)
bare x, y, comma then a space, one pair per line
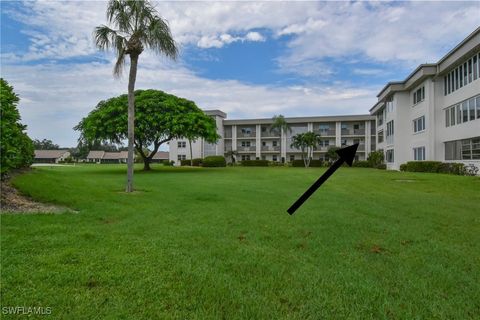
55, 97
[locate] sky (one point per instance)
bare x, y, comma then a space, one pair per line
248, 59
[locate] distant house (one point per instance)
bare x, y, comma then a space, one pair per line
160, 156
50, 156
95, 156
98, 156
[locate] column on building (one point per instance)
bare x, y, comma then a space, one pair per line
258, 147
310, 127
338, 134
234, 139
368, 139
283, 145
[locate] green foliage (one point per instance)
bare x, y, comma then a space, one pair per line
331, 154
306, 143
255, 163
434, 167
361, 164
375, 158
382, 166
16, 148
313, 163
159, 117
279, 124
45, 144
214, 161
196, 162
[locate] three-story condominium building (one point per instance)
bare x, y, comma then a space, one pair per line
434, 114
254, 139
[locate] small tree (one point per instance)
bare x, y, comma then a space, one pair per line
375, 158
332, 154
307, 142
232, 154
16, 148
160, 118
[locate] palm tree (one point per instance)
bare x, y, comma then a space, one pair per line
280, 124
306, 142
136, 26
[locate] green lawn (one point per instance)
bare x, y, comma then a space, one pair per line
218, 244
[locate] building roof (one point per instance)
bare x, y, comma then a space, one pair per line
95, 154
160, 155
115, 155
49, 154
464, 48
215, 112
360, 117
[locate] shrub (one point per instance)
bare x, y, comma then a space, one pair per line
196, 162
375, 158
214, 161
313, 163
382, 166
434, 167
16, 148
254, 163
361, 164
276, 164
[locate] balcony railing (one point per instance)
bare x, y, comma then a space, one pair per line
353, 132
227, 134
270, 148
330, 132
246, 135
251, 148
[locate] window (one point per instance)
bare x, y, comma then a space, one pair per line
245, 157
274, 157
356, 126
292, 157
264, 144
274, 143
468, 149
468, 110
181, 144
462, 75
344, 142
419, 124
380, 136
390, 132
246, 143
419, 154
389, 156
419, 95
181, 157
246, 131
324, 143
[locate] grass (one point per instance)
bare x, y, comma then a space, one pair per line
217, 243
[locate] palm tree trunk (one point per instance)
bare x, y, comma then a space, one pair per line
191, 155
131, 119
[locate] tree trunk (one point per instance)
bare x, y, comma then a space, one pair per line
146, 164
191, 155
131, 119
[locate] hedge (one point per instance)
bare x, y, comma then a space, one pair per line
214, 161
361, 164
197, 162
313, 163
254, 163
434, 167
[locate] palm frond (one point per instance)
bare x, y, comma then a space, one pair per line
117, 70
157, 36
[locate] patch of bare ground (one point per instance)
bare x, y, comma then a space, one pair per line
13, 202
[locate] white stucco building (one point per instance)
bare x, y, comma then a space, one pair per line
434, 114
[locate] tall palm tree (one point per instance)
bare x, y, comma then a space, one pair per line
280, 124
136, 26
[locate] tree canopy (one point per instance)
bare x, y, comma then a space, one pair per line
306, 142
45, 144
160, 117
16, 148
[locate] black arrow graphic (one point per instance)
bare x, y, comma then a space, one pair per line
346, 154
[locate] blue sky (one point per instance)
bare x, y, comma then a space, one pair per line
249, 59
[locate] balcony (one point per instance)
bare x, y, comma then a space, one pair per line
353, 132
246, 135
246, 149
271, 148
227, 134
323, 133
